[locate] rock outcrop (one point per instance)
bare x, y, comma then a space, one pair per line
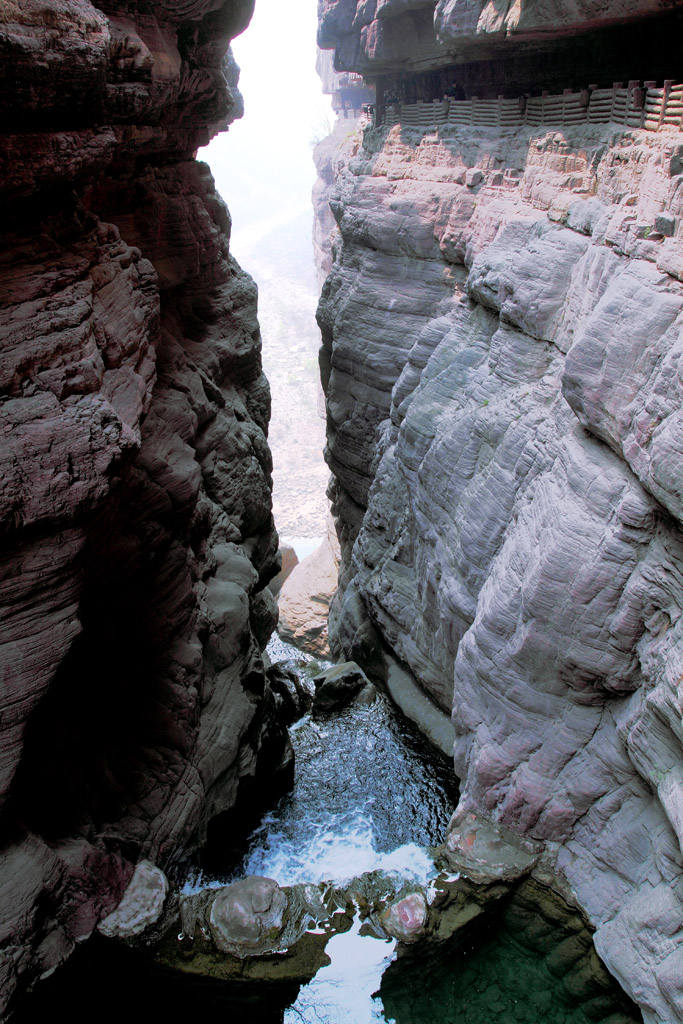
304, 600
501, 328
377, 37
134, 468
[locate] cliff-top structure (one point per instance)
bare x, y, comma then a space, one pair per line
137, 539
502, 331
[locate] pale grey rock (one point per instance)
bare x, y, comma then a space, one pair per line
507, 463
248, 916
141, 906
417, 706
526, 273
487, 852
620, 378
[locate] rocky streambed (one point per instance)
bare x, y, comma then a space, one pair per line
344, 908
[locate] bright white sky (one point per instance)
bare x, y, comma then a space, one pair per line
263, 163
263, 166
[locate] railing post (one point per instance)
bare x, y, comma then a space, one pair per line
668, 82
615, 87
637, 99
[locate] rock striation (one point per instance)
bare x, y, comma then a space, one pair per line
502, 328
137, 537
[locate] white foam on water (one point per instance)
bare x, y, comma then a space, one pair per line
342, 992
338, 849
196, 882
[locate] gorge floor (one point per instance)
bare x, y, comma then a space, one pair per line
369, 799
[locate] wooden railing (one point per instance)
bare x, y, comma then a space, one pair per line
648, 107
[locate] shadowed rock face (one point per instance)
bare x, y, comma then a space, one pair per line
380, 36
137, 537
501, 329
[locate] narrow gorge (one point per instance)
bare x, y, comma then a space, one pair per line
501, 327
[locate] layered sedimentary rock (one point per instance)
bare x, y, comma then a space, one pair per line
383, 36
502, 329
135, 473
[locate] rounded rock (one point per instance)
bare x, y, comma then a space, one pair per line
248, 916
406, 919
141, 904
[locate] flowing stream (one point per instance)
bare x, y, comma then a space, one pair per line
368, 797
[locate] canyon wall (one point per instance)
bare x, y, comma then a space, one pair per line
137, 537
502, 331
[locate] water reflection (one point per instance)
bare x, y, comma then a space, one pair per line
344, 991
531, 962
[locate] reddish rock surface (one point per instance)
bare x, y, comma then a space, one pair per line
134, 468
304, 600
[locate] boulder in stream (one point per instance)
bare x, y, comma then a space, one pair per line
338, 686
248, 916
406, 919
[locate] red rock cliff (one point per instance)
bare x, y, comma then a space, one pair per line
137, 536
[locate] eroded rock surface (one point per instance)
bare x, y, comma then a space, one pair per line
305, 597
501, 328
248, 916
141, 905
135, 473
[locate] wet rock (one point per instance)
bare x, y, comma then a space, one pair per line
484, 851
338, 686
406, 920
290, 682
141, 906
248, 916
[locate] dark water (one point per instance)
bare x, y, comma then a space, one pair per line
366, 796
518, 968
